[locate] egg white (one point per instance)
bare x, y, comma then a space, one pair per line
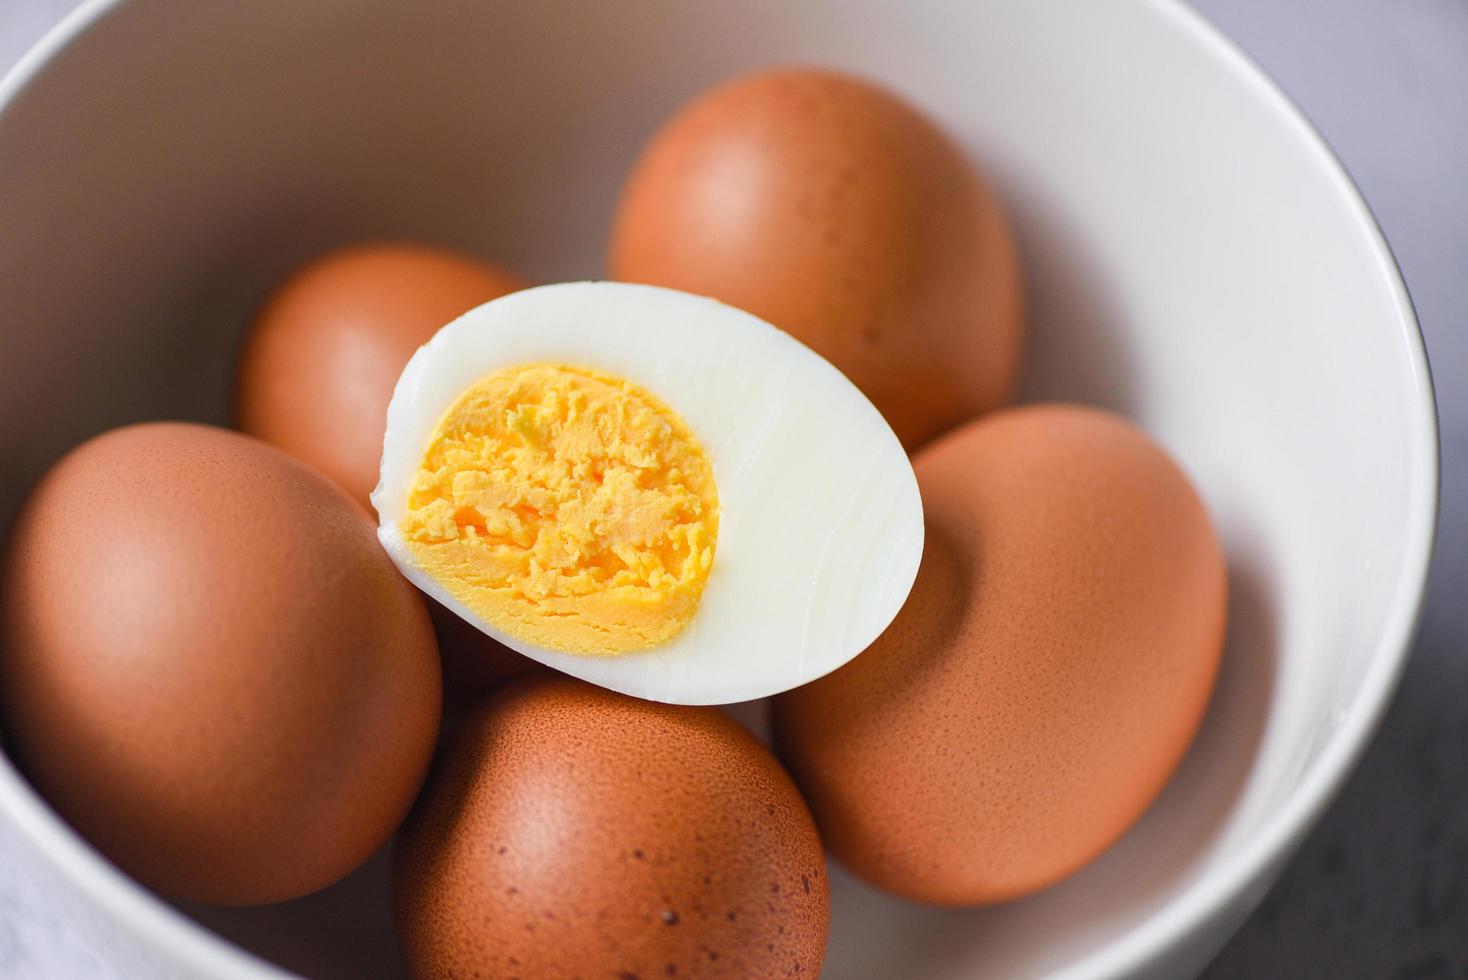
820, 526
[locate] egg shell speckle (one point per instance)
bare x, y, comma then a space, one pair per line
210, 668
572, 831
838, 212
1045, 677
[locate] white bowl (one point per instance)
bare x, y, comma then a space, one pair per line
1197, 260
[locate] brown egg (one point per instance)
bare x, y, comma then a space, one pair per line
320, 360
572, 831
1045, 677
840, 214
210, 667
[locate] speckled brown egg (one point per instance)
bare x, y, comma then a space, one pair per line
209, 666
322, 356
572, 831
1045, 677
839, 213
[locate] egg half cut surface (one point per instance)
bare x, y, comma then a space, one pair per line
648, 490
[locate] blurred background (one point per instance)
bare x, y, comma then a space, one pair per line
1381, 887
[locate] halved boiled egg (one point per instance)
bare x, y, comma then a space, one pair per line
648, 490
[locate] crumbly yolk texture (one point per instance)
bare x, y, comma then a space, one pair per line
567, 508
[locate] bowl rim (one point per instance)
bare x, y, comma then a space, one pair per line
164, 928
1282, 832
160, 928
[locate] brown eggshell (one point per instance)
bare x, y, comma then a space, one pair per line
210, 667
321, 359
840, 214
573, 831
1045, 677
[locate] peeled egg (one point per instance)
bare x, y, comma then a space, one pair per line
835, 210
648, 490
573, 832
1044, 679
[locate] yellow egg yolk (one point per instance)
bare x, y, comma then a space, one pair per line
568, 509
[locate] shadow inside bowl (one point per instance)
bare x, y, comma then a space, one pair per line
344, 932
1078, 348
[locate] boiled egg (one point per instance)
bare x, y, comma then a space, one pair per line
839, 211
648, 490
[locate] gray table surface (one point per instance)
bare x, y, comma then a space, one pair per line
1381, 887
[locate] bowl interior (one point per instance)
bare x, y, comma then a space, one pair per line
1194, 261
